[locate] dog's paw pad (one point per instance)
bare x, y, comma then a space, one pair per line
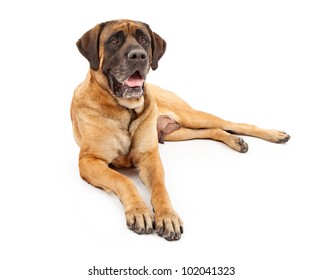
238, 144
243, 146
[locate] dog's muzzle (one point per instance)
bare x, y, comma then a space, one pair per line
128, 81
132, 87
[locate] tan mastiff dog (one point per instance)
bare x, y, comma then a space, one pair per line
118, 120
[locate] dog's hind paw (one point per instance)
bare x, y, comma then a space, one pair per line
278, 137
238, 144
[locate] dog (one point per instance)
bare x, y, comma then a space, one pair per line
118, 120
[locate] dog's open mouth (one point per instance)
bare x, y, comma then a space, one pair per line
132, 87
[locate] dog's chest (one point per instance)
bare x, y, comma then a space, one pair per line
123, 140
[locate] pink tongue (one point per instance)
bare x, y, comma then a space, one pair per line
134, 82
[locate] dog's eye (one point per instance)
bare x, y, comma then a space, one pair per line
144, 41
114, 41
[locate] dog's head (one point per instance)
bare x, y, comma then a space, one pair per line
120, 54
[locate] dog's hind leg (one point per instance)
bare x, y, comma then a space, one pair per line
233, 141
193, 119
198, 124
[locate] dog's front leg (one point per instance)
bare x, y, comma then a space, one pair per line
96, 172
167, 222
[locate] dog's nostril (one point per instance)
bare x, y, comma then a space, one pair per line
137, 55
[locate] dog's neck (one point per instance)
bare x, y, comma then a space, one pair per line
136, 104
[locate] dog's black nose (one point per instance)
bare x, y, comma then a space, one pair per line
137, 55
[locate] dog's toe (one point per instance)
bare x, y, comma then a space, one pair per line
278, 137
238, 144
168, 225
243, 146
140, 220
283, 138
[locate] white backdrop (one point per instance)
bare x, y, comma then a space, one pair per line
247, 61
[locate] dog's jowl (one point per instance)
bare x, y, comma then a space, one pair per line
118, 120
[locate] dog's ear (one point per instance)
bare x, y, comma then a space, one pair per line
158, 47
88, 45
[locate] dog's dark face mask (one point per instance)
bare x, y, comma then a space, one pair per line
126, 62
123, 51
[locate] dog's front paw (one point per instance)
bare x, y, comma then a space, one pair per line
140, 220
168, 224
